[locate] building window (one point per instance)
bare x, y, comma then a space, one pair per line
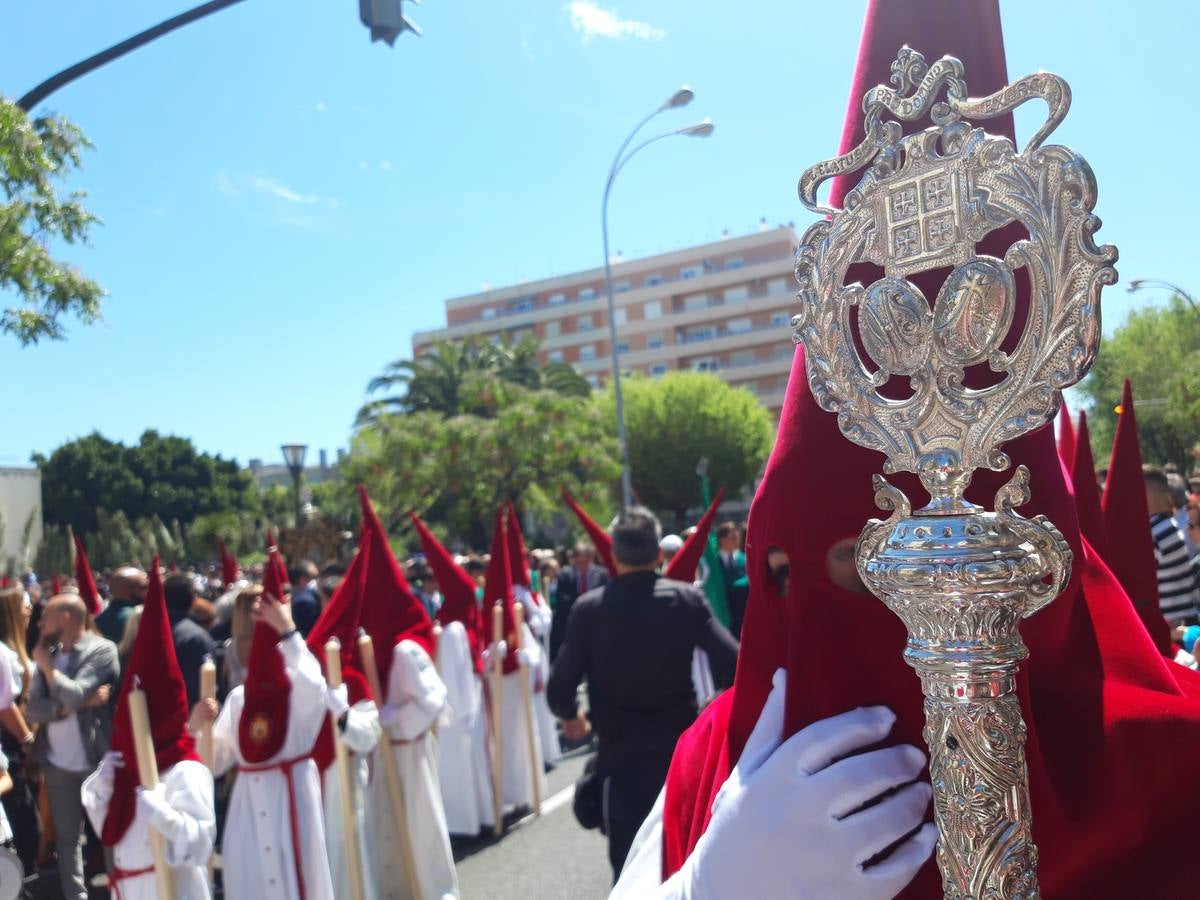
658, 370
736, 263
703, 333
552, 329
523, 304
557, 299
743, 358
739, 326
695, 302
704, 364
785, 351
587, 294
654, 340
652, 280
584, 323
619, 316
587, 351
555, 356
652, 310
780, 319
621, 286
622, 346
489, 312
691, 272
737, 294
777, 286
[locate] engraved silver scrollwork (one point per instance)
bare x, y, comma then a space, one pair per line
960, 577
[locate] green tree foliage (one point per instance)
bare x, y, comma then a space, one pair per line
457, 470
1158, 348
675, 420
444, 380
34, 154
161, 476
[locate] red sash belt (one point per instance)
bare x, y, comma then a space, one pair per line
117, 875
286, 767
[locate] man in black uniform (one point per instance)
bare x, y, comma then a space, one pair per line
633, 641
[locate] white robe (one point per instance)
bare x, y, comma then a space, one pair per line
703, 682
539, 618
361, 735
463, 766
416, 697
517, 788
258, 857
189, 787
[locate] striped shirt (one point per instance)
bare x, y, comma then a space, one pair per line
1178, 596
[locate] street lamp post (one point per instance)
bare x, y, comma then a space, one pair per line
680, 98
293, 455
1151, 283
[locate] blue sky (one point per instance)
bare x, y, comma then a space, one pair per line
285, 203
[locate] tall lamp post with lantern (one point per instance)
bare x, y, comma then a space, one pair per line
293, 456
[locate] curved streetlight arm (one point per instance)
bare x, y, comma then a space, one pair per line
1138, 283
35, 96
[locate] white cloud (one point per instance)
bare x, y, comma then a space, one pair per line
321, 107
591, 20
282, 191
385, 166
225, 184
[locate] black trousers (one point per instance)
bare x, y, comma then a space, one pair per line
631, 784
20, 805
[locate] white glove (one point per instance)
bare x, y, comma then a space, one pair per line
153, 805
784, 824
525, 658
489, 653
337, 700
107, 770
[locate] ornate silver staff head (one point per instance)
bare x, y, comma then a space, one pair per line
960, 577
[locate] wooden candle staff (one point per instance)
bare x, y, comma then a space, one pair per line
333, 675
530, 728
147, 763
497, 677
208, 691
395, 787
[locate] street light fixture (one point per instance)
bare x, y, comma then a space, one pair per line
293, 456
680, 98
1155, 283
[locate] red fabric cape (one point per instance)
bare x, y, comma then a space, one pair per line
339, 619
1067, 441
498, 588
1108, 717
262, 726
458, 590
84, 580
152, 666
391, 612
682, 566
229, 565
1087, 491
600, 538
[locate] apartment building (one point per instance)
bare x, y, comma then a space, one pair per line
722, 307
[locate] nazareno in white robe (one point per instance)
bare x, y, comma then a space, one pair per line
463, 765
416, 697
360, 736
516, 786
539, 618
257, 854
189, 790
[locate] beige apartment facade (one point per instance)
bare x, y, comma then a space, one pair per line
722, 307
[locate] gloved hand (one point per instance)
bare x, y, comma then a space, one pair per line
107, 770
337, 700
489, 652
158, 811
784, 823
525, 657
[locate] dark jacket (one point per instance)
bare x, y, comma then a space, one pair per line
192, 645
92, 662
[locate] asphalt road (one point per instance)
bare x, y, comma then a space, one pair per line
547, 858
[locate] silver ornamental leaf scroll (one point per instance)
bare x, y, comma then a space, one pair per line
960, 577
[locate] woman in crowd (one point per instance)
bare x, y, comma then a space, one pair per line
16, 737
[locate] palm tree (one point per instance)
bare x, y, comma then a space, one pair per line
435, 380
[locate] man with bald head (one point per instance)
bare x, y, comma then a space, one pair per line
76, 673
128, 587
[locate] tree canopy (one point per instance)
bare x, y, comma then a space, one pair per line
441, 380
457, 470
34, 154
161, 476
676, 420
1158, 349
